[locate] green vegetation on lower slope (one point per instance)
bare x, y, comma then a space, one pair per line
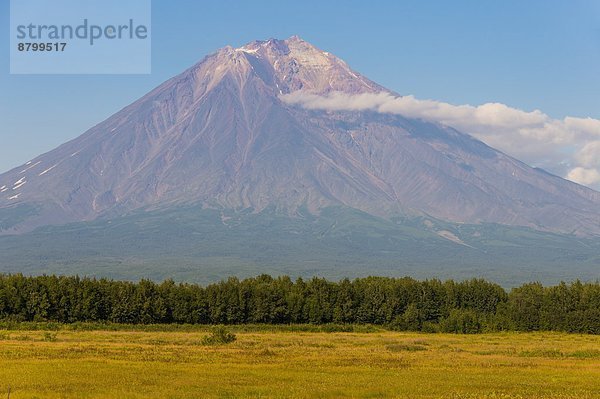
201, 245
10, 217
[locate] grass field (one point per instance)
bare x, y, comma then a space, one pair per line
280, 362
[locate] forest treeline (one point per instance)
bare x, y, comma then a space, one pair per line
401, 303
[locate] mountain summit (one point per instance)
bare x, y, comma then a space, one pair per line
219, 136
293, 64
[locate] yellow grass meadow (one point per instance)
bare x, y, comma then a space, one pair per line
285, 364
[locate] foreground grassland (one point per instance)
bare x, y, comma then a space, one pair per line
274, 363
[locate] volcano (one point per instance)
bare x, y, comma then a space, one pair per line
220, 138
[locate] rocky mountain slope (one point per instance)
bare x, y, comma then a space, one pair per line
219, 136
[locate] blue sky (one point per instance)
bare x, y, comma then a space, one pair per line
535, 54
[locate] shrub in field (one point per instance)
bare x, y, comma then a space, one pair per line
405, 348
49, 337
219, 336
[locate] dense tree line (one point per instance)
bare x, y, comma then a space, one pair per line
401, 303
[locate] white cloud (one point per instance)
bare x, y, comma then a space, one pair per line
569, 147
584, 176
589, 155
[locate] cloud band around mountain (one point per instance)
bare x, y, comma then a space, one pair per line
568, 147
